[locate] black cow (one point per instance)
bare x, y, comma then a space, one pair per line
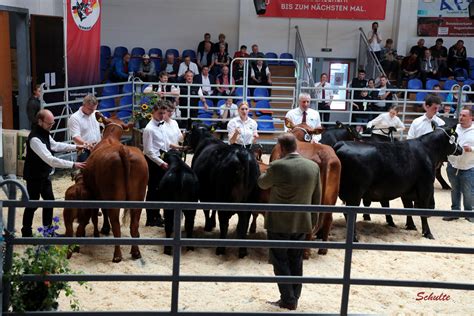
226, 174
179, 184
338, 132
384, 171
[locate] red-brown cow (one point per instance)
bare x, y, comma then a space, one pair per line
116, 172
330, 168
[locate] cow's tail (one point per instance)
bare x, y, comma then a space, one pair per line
124, 157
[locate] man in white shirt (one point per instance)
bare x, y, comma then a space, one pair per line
422, 125
375, 39
186, 65
39, 163
461, 168
304, 114
84, 128
324, 94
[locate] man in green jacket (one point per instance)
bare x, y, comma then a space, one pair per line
293, 180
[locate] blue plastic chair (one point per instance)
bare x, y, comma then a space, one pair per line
260, 92
468, 82
201, 110
134, 64
240, 92
271, 55
471, 62
191, 53
155, 53
110, 90
173, 51
105, 51
431, 83
126, 111
420, 97
464, 75
449, 84
106, 104
415, 84
127, 88
138, 52
263, 104
286, 56
119, 51
265, 126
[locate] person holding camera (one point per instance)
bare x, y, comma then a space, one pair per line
374, 40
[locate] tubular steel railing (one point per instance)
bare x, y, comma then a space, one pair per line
178, 242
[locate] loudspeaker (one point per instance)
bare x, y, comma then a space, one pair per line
261, 6
471, 10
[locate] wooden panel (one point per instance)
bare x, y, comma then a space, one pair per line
6, 71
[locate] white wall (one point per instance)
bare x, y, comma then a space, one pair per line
40, 7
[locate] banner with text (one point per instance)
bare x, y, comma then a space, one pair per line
444, 18
83, 42
327, 9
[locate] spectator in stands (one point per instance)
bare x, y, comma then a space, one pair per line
34, 105
304, 114
228, 110
164, 90
440, 53
171, 67
207, 39
242, 130
419, 48
359, 106
206, 58
453, 98
260, 75
386, 123
457, 57
446, 110
428, 68
147, 71
373, 92
242, 52
189, 98
384, 95
216, 46
324, 94
255, 54
120, 69
411, 66
238, 73
224, 79
438, 92
205, 79
375, 39
187, 65
389, 62
358, 82
221, 59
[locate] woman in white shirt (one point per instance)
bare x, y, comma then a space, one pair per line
242, 130
386, 123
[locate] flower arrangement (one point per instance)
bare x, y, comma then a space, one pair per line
43, 260
144, 111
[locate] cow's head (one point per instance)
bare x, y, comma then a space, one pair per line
195, 134
302, 131
172, 155
451, 140
114, 127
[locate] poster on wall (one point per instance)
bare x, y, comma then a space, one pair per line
444, 18
327, 9
83, 42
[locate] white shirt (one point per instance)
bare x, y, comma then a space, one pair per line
385, 121
161, 87
312, 119
422, 125
84, 126
252, 72
154, 141
183, 68
248, 130
465, 138
233, 110
375, 44
328, 92
206, 85
172, 133
42, 151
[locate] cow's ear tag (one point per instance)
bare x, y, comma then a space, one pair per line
452, 139
162, 156
307, 137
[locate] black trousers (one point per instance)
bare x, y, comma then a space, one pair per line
37, 188
155, 174
287, 262
325, 107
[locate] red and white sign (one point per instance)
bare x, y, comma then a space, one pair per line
327, 9
83, 42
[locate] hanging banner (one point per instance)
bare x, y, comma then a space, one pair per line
444, 18
83, 42
327, 9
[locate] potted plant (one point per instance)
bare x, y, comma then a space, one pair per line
144, 113
43, 260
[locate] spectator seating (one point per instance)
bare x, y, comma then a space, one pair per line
127, 111
263, 104
201, 110
468, 82
137, 52
173, 51
119, 51
260, 92
155, 53
286, 56
449, 84
191, 53
127, 88
431, 83
110, 90
134, 64
461, 74
415, 84
420, 97
105, 56
271, 55
266, 125
240, 92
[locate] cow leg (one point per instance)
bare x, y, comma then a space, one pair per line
410, 224
95, 222
325, 229
253, 225
429, 204
388, 217
210, 220
242, 228
224, 217
106, 223
367, 203
307, 251
439, 177
134, 232
68, 215
169, 216
425, 228
189, 216
113, 215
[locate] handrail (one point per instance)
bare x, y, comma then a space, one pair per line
299, 44
372, 56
